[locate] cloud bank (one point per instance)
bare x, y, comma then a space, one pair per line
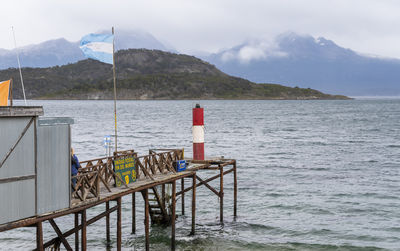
367, 26
253, 50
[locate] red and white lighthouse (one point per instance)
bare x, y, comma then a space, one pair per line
198, 133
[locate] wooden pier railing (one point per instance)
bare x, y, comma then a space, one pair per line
97, 173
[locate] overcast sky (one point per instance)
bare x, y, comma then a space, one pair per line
367, 26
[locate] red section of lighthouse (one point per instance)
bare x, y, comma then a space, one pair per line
198, 133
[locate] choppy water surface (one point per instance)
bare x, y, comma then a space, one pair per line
312, 175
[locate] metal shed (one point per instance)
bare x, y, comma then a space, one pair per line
34, 163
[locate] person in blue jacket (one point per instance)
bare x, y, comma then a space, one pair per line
74, 167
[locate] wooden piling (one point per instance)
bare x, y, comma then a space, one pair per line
173, 215
234, 190
193, 204
133, 213
163, 194
183, 195
221, 194
39, 236
146, 219
77, 231
108, 224
119, 224
83, 232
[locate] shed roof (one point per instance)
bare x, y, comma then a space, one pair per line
20, 111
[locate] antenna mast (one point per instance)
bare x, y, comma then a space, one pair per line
19, 64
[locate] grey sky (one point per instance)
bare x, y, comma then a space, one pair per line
367, 26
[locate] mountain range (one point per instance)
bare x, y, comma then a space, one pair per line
289, 59
61, 52
317, 63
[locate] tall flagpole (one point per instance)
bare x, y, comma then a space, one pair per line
19, 64
115, 95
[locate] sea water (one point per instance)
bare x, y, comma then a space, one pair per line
312, 175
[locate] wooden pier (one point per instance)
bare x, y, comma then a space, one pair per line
95, 185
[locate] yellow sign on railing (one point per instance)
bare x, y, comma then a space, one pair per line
125, 169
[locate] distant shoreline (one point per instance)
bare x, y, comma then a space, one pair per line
166, 99
348, 98
375, 97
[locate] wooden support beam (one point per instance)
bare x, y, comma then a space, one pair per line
144, 170
221, 196
234, 190
208, 163
206, 181
119, 224
133, 213
212, 168
60, 235
193, 204
19, 178
208, 186
226, 163
199, 184
83, 232
145, 194
108, 240
76, 226
39, 236
183, 195
173, 215
76, 230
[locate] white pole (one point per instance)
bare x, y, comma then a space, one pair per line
115, 97
19, 65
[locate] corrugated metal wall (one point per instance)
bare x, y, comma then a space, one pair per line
53, 169
22, 160
17, 198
